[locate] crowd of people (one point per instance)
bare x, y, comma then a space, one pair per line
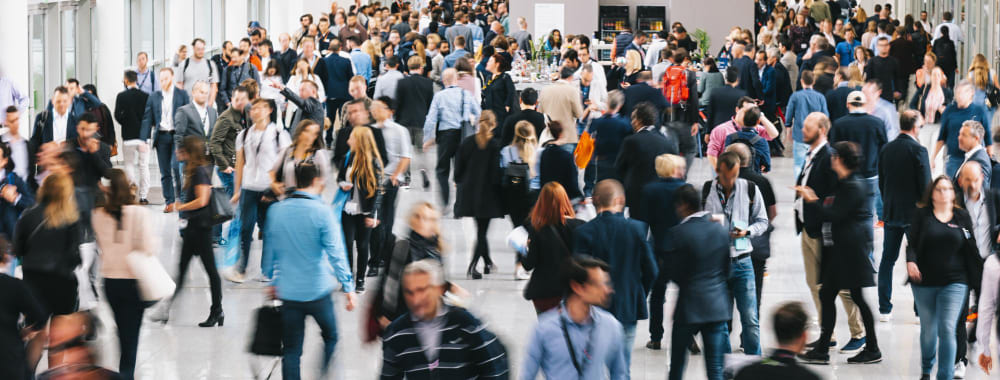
592, 169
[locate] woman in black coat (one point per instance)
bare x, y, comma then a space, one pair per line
550, 242
499, 94
556, 164
477, 174
845, 263
944, 49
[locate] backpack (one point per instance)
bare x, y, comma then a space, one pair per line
750, 138
187, 61
675, 85
706, 190
516, 178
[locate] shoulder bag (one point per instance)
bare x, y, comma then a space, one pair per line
219, 208
153, 280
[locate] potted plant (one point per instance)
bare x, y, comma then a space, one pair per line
704, 42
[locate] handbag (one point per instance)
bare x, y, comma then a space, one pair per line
153, 280
267, 331
466, 126
220, 210
993, 95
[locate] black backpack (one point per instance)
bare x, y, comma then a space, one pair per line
516, 178
706, 190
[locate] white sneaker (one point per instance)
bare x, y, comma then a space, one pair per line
521, 275
960, 370
233, 276
885, 317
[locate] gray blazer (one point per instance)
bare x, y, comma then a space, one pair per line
187, 122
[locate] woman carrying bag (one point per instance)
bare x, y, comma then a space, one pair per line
550, 243
123, 228
518, 163
477, 176
362, 180
307, 146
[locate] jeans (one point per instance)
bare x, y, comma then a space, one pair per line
293, 316
939, 309
356, 233
170, 171
197, 242
741, 284
227, 183
799, 151
127, 307
952, 163
874, 198
890, 253
447, 146
629, 335
714, 335
657, 296
252, 211
382, 238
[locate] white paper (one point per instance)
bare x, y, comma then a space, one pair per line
547, 17
518, 240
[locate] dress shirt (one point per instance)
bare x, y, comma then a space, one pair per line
362, 63
447, 110
18, 153
305, 251
167, 111
886, 111
717, 139
10, 96
988, 303
549, 352
397, 145
736, 208
386, 84
800, 105
59, 126
203, 115
145, 81
804, 178
980, 223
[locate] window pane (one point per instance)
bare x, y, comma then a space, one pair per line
218, 23
69, 42
203, 20
145, 27
37, 61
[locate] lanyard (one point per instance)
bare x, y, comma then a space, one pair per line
569, 344
727, 211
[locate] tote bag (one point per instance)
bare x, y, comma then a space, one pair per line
153, 280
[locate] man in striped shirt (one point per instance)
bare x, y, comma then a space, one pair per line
437, 341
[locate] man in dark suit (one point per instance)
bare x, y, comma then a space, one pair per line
749, 76
768, 83
636, 44
818, 174
722, 102
528, 102
622, 244
287, 57
644, 91
412, 107
194, 119
306, 101
700, 268
836, 99
158, 128
57, 123
782, 81
658, 198
903, 173
970, 141
129, 107
335, 72
635, 162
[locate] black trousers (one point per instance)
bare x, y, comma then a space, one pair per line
198, 242
356, 233
482, 249
447, 146
759, 267
962, 334
382, 238
657, 296
127, 307
827, 296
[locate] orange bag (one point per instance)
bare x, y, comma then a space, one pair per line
584, 150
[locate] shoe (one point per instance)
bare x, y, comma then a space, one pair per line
960, 370
925, 377
694, 349
372, 272
853, 346
489, 268
426, 182
813, 344
521, 275
866, 357
169, 208
474, 274
216, 317
261, 278
359, 286
161, 311
233, 276
815, 357
885, 317
653, 345
144, 201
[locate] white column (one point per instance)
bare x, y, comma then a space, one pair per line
109, 45
15, 67
179, 25
236, 20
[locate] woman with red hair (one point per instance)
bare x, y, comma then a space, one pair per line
550, 243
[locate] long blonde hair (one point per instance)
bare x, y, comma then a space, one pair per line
979, 72
487, 121
526, 143
364, 170
57, 196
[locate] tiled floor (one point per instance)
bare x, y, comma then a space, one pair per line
181, 350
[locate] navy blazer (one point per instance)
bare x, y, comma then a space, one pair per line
658, 200
749, 79
823, 180
903, 173
700, 269
335, 72
769, 90
642, 92
635, 164
622, 244
42, 131
151, 117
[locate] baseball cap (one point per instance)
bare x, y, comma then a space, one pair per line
856, 98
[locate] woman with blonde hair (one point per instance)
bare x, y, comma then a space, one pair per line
633, 66
517, 196
980, 76
477, 168
363, 179
923, 75
371, 48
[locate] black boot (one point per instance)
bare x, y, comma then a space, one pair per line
215, 317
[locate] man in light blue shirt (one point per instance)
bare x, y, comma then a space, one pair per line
578, 339
802, 103
362, 61
443, 125
881, 108
386, 83
304, 255
458, 52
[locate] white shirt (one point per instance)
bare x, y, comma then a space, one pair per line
203, 115
18, 153
954, 32
987, 303
980, 224
59, 126
806, 169
167, 111
260, 152
653, 51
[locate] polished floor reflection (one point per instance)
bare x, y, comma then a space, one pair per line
181, 350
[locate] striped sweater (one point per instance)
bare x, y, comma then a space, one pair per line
467, 350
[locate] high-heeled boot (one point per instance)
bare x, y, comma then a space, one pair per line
215, 317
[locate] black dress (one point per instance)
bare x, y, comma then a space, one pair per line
847, 217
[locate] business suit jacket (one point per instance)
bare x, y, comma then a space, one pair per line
782, 83
700, 269
286, 63
308, 109
411, 109
42, 132
622, 244
845, 264
722, 104
823, 180
10, 212
643, 92
500, 96
335, 72
983, 159
129, 108
992, 200
635, 164
903, 173
187, 122
151, 117
658, 200
768, 85
836, 101
749, 79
